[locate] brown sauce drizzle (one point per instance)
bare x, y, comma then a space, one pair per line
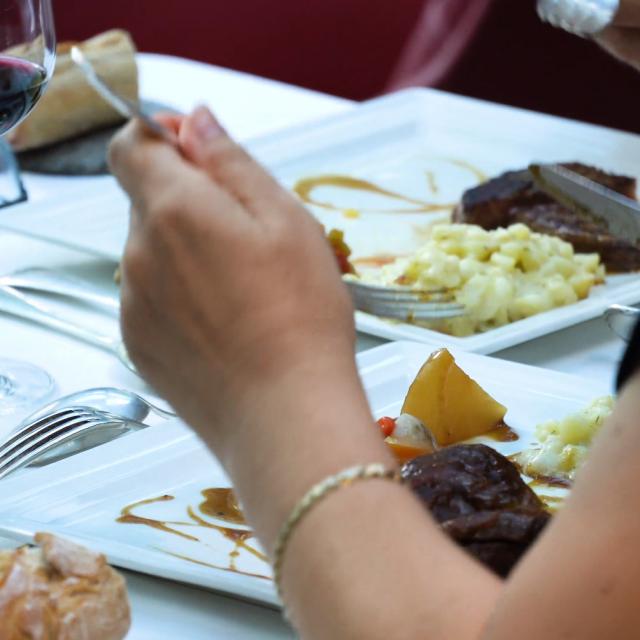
219, 503
127, 517
478, 173
305, 187
432, 183
374, 261
238, 536
212, 566
503, 433
222, 504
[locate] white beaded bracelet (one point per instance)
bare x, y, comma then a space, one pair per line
313, 497
581, 17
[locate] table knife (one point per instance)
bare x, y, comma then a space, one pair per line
578, 193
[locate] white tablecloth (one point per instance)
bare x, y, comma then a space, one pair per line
247, 106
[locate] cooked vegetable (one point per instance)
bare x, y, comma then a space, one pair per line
451, 405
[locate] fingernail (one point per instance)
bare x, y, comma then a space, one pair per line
205, 125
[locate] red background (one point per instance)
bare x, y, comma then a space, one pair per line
350, 47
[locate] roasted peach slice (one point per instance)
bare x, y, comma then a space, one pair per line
452, 405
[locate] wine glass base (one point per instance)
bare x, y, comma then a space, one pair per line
22, 385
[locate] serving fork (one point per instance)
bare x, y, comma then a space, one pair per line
46, 439
403, 303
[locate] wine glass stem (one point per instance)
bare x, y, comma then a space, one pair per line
7, 387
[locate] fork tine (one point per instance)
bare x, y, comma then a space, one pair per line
69, 432
51, 440
396, 291
31, 429
43, 436
412, 312
404, 303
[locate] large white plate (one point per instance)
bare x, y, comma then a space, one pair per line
81, 497
393, 142
408, 141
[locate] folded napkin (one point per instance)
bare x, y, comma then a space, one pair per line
70, 106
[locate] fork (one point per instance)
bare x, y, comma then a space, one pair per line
124, 107
39, 437
403, 303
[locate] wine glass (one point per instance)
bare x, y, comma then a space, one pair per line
27, 59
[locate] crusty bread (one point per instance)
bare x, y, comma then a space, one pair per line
70, 106
60, 591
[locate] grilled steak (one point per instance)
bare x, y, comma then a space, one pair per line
513, 197
480, 500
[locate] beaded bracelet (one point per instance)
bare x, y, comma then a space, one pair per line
315, 495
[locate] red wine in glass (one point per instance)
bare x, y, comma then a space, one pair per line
21, 84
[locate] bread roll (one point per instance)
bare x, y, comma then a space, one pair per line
70, 106
60, 591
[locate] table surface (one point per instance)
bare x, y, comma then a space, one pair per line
247, 106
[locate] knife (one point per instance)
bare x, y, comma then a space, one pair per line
124, 107
582, 195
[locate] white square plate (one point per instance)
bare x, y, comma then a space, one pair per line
431, 146
82, 497
422, 143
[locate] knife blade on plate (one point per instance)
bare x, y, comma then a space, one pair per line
578, 193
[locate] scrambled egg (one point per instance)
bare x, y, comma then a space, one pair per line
564, 444
500, 276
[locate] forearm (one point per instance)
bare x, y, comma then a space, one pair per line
622, 38
628, 14
581, 578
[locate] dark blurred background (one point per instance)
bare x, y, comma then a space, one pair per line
362, 48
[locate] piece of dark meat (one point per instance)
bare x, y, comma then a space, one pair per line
480, 500
513, 197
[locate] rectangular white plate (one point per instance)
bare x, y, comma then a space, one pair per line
394, 142
407, 141
81, 497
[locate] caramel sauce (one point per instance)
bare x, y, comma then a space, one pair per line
212, 566
238, 536
432, 183
374, 261
503, 433
219, 503
480, 175
305, 187
127, 517
222, 504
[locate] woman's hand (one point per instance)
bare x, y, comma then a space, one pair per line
622, 38
228, 284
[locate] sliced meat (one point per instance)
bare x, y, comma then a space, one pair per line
480, 500
513, 197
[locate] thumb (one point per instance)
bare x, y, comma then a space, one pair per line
197, 133
207, 145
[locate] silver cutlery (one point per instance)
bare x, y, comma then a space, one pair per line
118, 402
48, 281
47, 438
578, 193
403, 303
124, 107
15, 303
622, 320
